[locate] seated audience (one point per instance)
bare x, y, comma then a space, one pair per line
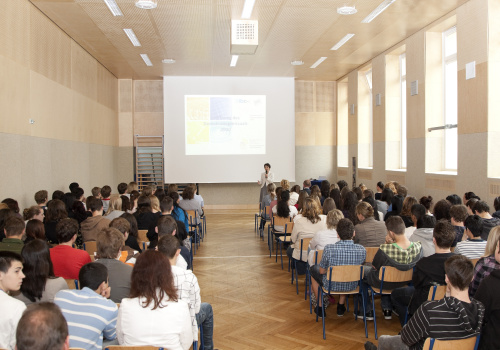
91, 226
133, 233
369, 232
453, 317
275, 201
14, 232
123, 189
468, 196
325, 191
161, 194
168, 227
128, 253
373, 203
42, 327
324, 237
328, 205
189, 203
114, 209
167, 206
197, 197
5, 213
482, 209
424, 229
472, 245
40, 283
300, 202
488, 263
294, 194
78, 210
496, 205
441, 210
56, 211
385, 200
134, 196
105, 197
343, 252
306, 187
454, 199
11, 278
153, 314
110, 242
380, 188
34, 230
458, 214
470, 205
90, 315
66, 260
96, 192
283, 209
349, 204
335, 195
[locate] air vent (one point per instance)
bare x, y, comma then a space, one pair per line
414, 87
244, 37
378, 100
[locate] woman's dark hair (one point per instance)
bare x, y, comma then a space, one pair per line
380, 185
12, 203
426, 201
349, 208
279, 190
325, 189
35, 229
283, 210
300, 202
296, 189
188, 193
125, 203
442, 210
454, 199
37, 267
269, 165
78, 193
58, 195
335, 195
152, 279
175, 197
315, 191
56, 210
143, 204
470, 195
328, 204
358, 192
342, 184
386, 196
496, 203
373, 203
160, 194
134, 230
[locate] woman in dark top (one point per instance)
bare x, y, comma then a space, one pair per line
335, 195
406, 211
146, 219
34, 230
56, 211
325, 190
132, 234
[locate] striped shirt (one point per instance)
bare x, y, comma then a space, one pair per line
89, 317
445, 319
188, 290
471, 248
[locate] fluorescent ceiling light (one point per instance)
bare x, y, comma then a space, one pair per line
380, 8
146, 59
297, 63
113, 7
318, 62
168, 60
342, 42
346, 10
146, 4
234, 59
247, 9
131, 35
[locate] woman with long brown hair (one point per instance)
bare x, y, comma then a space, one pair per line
153, 315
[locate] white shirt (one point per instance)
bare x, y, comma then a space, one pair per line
269, 180
181, 262
12, 310
294, 197
188, 290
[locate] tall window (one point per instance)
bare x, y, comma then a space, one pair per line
402, 83
342, 124
450, 139
365, 119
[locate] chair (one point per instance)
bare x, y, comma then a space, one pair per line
72, 284
257, 216
285, 238
370, 253
388, 274
265, 214
304, 243
193, 219
474, 261
276, 221
462, 344
142, 237
318, 255
90, 247
437, 292
343, 273
133, 347
195, 343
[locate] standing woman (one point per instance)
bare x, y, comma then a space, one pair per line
266, 178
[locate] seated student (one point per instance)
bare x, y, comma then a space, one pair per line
369, 232
105, 194
146, 219
168, 226
128, 253
42, 327
324, 237
56, 211
123, 189
488, 263
133, 234
283, 209
167, 206
115, 208
66, 260
425, 228
34, 230
482, 209
398, 252
343, 252
40, 283
189, 203
306, 186
91, 226
96, 192
178, 213
110, 242
14, 231
266, 202
33, 213
458, 214
78, 210
188, 290
472, 245
90, 315
294, 195
11, 278
428, 270
487, 293
41, 199
453, 317
154, 315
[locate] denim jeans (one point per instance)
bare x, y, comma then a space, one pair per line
205, 318
401, 298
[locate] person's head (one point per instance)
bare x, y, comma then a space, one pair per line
152, 279
470, 205
37, 267
349, 205
295, 188
458, 213
492, 242
358, 192
11, 271
459, 271
14, 227
35, 229
496, 203
395, 225
175, 198
444, 234
12, 203
328, 205
285, 184
342, 184
79, 192
387, 195
306, 183
408, 202
41, 197
166, 226
362, 187
368, 193
373, 204
390, 185
345, 229
96, 192
335, 195
110, 242
300, 202
166, 205
42, 326
132, 186
160, 194
470, 195
122, 225
133, 224
188, 193
481, 207
33, 212
454, 199
364, 211
94, 276
271, 190
169, 246
402, 191
279, 189
155, 203
172, 188
105, 191
4, 215
58, 195
122, 188
147, 191
442, 210
418, 212
380, 186
125, 203
267, 167
315, 191
94, 204
73, 186
143, 204
66, 230
325, 188
426, 201
115, 204
310, 210
332, 218
282, 208
474, 225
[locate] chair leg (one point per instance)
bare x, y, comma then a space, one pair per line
195, 345
374, 316
306, 281
320, 293
310, 299
363, 301
296, 278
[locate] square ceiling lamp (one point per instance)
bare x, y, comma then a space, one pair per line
146, 4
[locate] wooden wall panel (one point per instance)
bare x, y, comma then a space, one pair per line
415, 63
148, 96
379, 112
352, 98
304, 129
325, 129
148, 124
440, 183
473, 101
15, 31
472, 32
125, 95
107, 88
83, 72
304, 96
325, 96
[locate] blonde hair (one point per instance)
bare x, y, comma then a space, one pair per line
271, 189
285, 184
364, 209
492, 242
310, 210
155, 203
115, 203
332, 218
132, 186
390, 185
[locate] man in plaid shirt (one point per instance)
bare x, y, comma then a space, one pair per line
343, 252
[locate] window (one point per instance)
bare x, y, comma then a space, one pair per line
342, 125
365, 119
402, 84
450, 139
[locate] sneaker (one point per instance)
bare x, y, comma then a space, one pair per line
388, 314
369, 315
318, 311
340, 310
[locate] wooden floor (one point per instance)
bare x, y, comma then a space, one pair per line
255, 305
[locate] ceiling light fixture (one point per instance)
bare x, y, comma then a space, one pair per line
168, 60
131, 35
146, 4
146, 59
380, 8
346, 10
342, 42
247, 9
113, 7
234, 60
297, 63
318, 62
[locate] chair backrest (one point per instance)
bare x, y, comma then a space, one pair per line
90, 247
370, 253
392, 274
279, 221
192, 216
142, 236
461, 344
318, 255
304, 244
344, 273
267, 210
437, 292
72, 284
124, 347
288, 227
474, 261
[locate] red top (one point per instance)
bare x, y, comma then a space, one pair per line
67, 261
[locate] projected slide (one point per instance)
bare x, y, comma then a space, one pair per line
225, 124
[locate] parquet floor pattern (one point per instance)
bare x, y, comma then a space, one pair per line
255, 305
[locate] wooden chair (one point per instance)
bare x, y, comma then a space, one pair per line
142, 238
124, 347
343, 273
304, 243
265, 213
388, 274
257, 216
370, 253
474, 261
90, 247
72, 284
193, 227
286, 238
461, 344
273, 234
437, 292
